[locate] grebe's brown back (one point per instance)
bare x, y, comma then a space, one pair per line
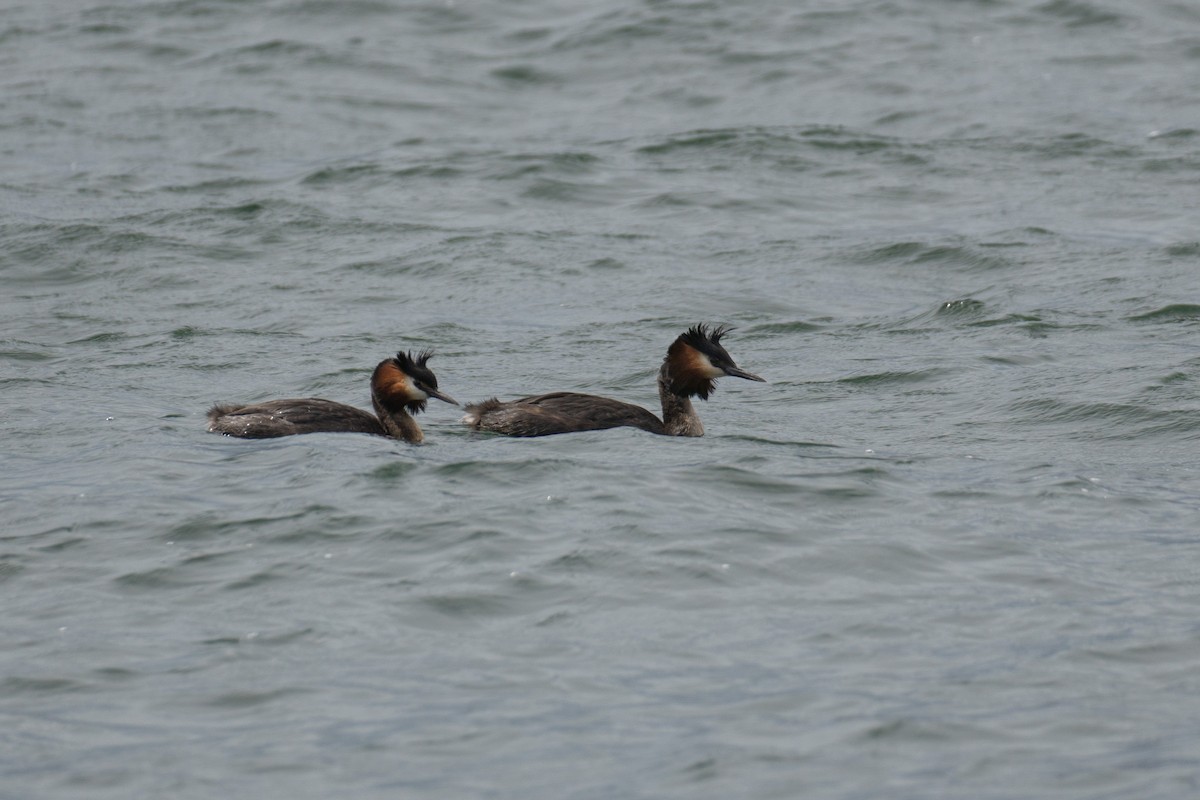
694, 362
399, 387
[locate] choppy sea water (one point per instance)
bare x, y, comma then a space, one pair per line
949, 550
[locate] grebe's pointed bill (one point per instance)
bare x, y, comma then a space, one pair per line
737, 372
445, 398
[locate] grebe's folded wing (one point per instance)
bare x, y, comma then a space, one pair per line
559, 412
596, 413
287, 417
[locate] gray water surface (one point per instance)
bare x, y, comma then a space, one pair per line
950, 549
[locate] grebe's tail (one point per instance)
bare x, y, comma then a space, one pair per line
475, 411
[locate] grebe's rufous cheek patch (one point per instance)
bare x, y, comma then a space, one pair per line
691, 371
702, 364
395, 389
391, 380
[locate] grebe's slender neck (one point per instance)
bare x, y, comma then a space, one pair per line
399, 388
678, 415
397, 422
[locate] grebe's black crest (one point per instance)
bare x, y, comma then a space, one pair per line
413, 365
704, 340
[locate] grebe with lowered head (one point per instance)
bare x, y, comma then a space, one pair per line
694, 362
399, 387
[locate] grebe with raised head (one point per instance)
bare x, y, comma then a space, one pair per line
694, 362
399, 387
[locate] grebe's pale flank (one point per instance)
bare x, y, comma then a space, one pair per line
694, 362
399, 387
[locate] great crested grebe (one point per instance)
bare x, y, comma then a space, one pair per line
399, 386
694, 362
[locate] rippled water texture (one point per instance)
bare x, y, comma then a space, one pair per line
948, 550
